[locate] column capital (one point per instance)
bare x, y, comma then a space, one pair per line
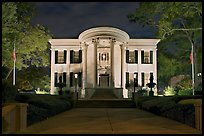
95, 40
112, 40
84, 45
122, 46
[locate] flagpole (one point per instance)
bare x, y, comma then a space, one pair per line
14, 64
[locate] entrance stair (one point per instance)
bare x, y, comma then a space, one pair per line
104, 98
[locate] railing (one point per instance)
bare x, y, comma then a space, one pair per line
14, 117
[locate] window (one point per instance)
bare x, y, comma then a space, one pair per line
132, 56
58, 75
103, 56
60, 57
147, 57
75, 56
73, 81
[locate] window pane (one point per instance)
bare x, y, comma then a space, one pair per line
131, 56
60, 57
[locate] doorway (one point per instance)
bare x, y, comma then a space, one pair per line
104, 80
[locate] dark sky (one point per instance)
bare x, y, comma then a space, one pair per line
69, 19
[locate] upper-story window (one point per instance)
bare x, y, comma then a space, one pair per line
60, 57
75, 56
147, 57
132, 56
103, 56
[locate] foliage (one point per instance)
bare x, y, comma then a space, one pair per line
25, 86
30, 41
8, 92
184, 84
142, 92
179, 26
169, 91
37, 77
186, 91
39, 91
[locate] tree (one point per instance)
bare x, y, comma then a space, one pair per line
183, 19
30, 41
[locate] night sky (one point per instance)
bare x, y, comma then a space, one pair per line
69, 19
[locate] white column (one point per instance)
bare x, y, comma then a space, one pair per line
155, 65
124, 69
95, 41
112, 41
68, 69
52, 89
139, 68
84, 69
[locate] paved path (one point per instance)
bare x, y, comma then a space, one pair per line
109, 121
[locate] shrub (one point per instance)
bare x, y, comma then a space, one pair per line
142, 92
186, 91
8, 92
169, 91
43, 106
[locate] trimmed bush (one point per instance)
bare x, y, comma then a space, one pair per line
43, 106
170, 107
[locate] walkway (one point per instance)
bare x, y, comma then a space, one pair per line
109, 121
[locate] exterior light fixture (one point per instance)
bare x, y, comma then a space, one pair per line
199, 74
75, 75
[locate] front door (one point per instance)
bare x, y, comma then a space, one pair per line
104, 80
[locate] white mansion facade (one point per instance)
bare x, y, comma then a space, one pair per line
102, 57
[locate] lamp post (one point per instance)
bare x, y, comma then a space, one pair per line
76, 93
134, 87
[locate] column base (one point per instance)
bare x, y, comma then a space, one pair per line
125, 93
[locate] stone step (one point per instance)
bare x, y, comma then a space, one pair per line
104, 93
105, 103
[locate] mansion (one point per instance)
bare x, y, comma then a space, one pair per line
102, 57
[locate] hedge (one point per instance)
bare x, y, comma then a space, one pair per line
43, 106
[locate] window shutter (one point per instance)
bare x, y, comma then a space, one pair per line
127, 56
71, 79
71, 56
55, 80
142, 79
151, 57
56, 57
127, 79
142, 57
80, 79
65, 56
64, 77
80, 56
136, 56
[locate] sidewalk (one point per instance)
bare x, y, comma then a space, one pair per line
108, 121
